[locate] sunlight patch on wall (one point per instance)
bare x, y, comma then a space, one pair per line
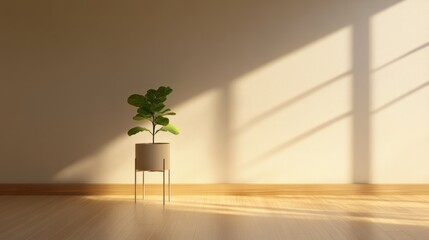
400, 93
285, 111
290, 76
400, 49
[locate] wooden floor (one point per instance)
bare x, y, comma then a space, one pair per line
215, 217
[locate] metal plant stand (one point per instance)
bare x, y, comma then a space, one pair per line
143, 185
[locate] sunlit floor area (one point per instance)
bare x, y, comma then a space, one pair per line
215, 217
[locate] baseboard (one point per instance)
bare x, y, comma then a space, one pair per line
216, 189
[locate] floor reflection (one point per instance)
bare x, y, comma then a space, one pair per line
215, 217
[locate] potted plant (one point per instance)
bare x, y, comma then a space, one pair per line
151, 108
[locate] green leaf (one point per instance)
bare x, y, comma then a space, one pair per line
169, 128
168, 113
140, 117
163, 91
163, 121
157, 107
151, 94
168, 90
145, 108
159, 100
166, 110
136, 100
135, 130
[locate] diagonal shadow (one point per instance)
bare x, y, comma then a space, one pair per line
300, 137
401, 57
81, 63
290, 102
401, 97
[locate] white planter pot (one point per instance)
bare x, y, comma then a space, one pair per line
150, 157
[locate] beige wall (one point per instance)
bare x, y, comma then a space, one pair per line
266, 91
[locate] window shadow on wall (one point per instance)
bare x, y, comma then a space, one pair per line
69, 66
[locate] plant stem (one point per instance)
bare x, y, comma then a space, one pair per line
153, 128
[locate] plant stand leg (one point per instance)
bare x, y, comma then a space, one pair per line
143, 186
135, 186
163, 181
169, 185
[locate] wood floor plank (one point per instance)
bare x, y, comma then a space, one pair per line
205, 217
